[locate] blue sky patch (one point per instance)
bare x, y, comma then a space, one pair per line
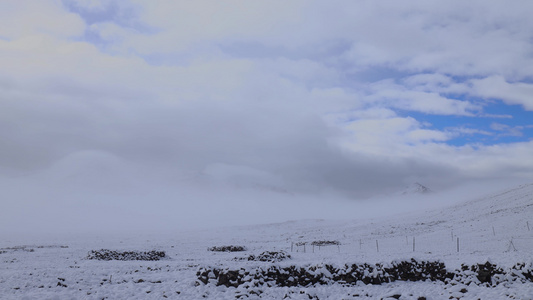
498, 123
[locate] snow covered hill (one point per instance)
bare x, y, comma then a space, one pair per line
497, 228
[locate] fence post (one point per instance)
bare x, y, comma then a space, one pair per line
511, 244
413, 244
292, 245
457, 244
377, 246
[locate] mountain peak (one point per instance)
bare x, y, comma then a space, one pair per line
416, 188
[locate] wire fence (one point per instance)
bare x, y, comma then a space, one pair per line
490, 240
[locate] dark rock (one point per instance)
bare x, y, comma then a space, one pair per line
230, 248
486, 271
270, 256
377, 274
325, 243
105, 254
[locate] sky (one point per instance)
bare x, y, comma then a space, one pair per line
186, 113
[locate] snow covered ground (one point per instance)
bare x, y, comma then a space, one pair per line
491, 228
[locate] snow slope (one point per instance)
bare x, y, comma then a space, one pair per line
491, 228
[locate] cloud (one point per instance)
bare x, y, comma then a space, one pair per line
46, 17
468, 131
104, 105
455, 37
496, 87
436, 83
507, 130
91, 5
189, 24
400, 97
381, 134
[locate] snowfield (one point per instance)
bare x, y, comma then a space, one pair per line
496, 229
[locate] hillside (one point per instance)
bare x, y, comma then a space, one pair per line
491, 228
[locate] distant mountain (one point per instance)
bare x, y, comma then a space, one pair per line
416, 188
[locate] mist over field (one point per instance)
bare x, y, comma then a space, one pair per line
63, 201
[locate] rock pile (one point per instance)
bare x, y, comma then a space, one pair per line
268, 256
325, 243
105, 254
293, 276
230, 248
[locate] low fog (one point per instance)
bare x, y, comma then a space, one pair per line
98, 193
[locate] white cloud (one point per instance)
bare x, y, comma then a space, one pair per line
468, 131
389, 136
92, 5
507, 130
46, 17
496, 87
190, 23
434, 82
456, 37
467, 162
452, 37
394, 95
